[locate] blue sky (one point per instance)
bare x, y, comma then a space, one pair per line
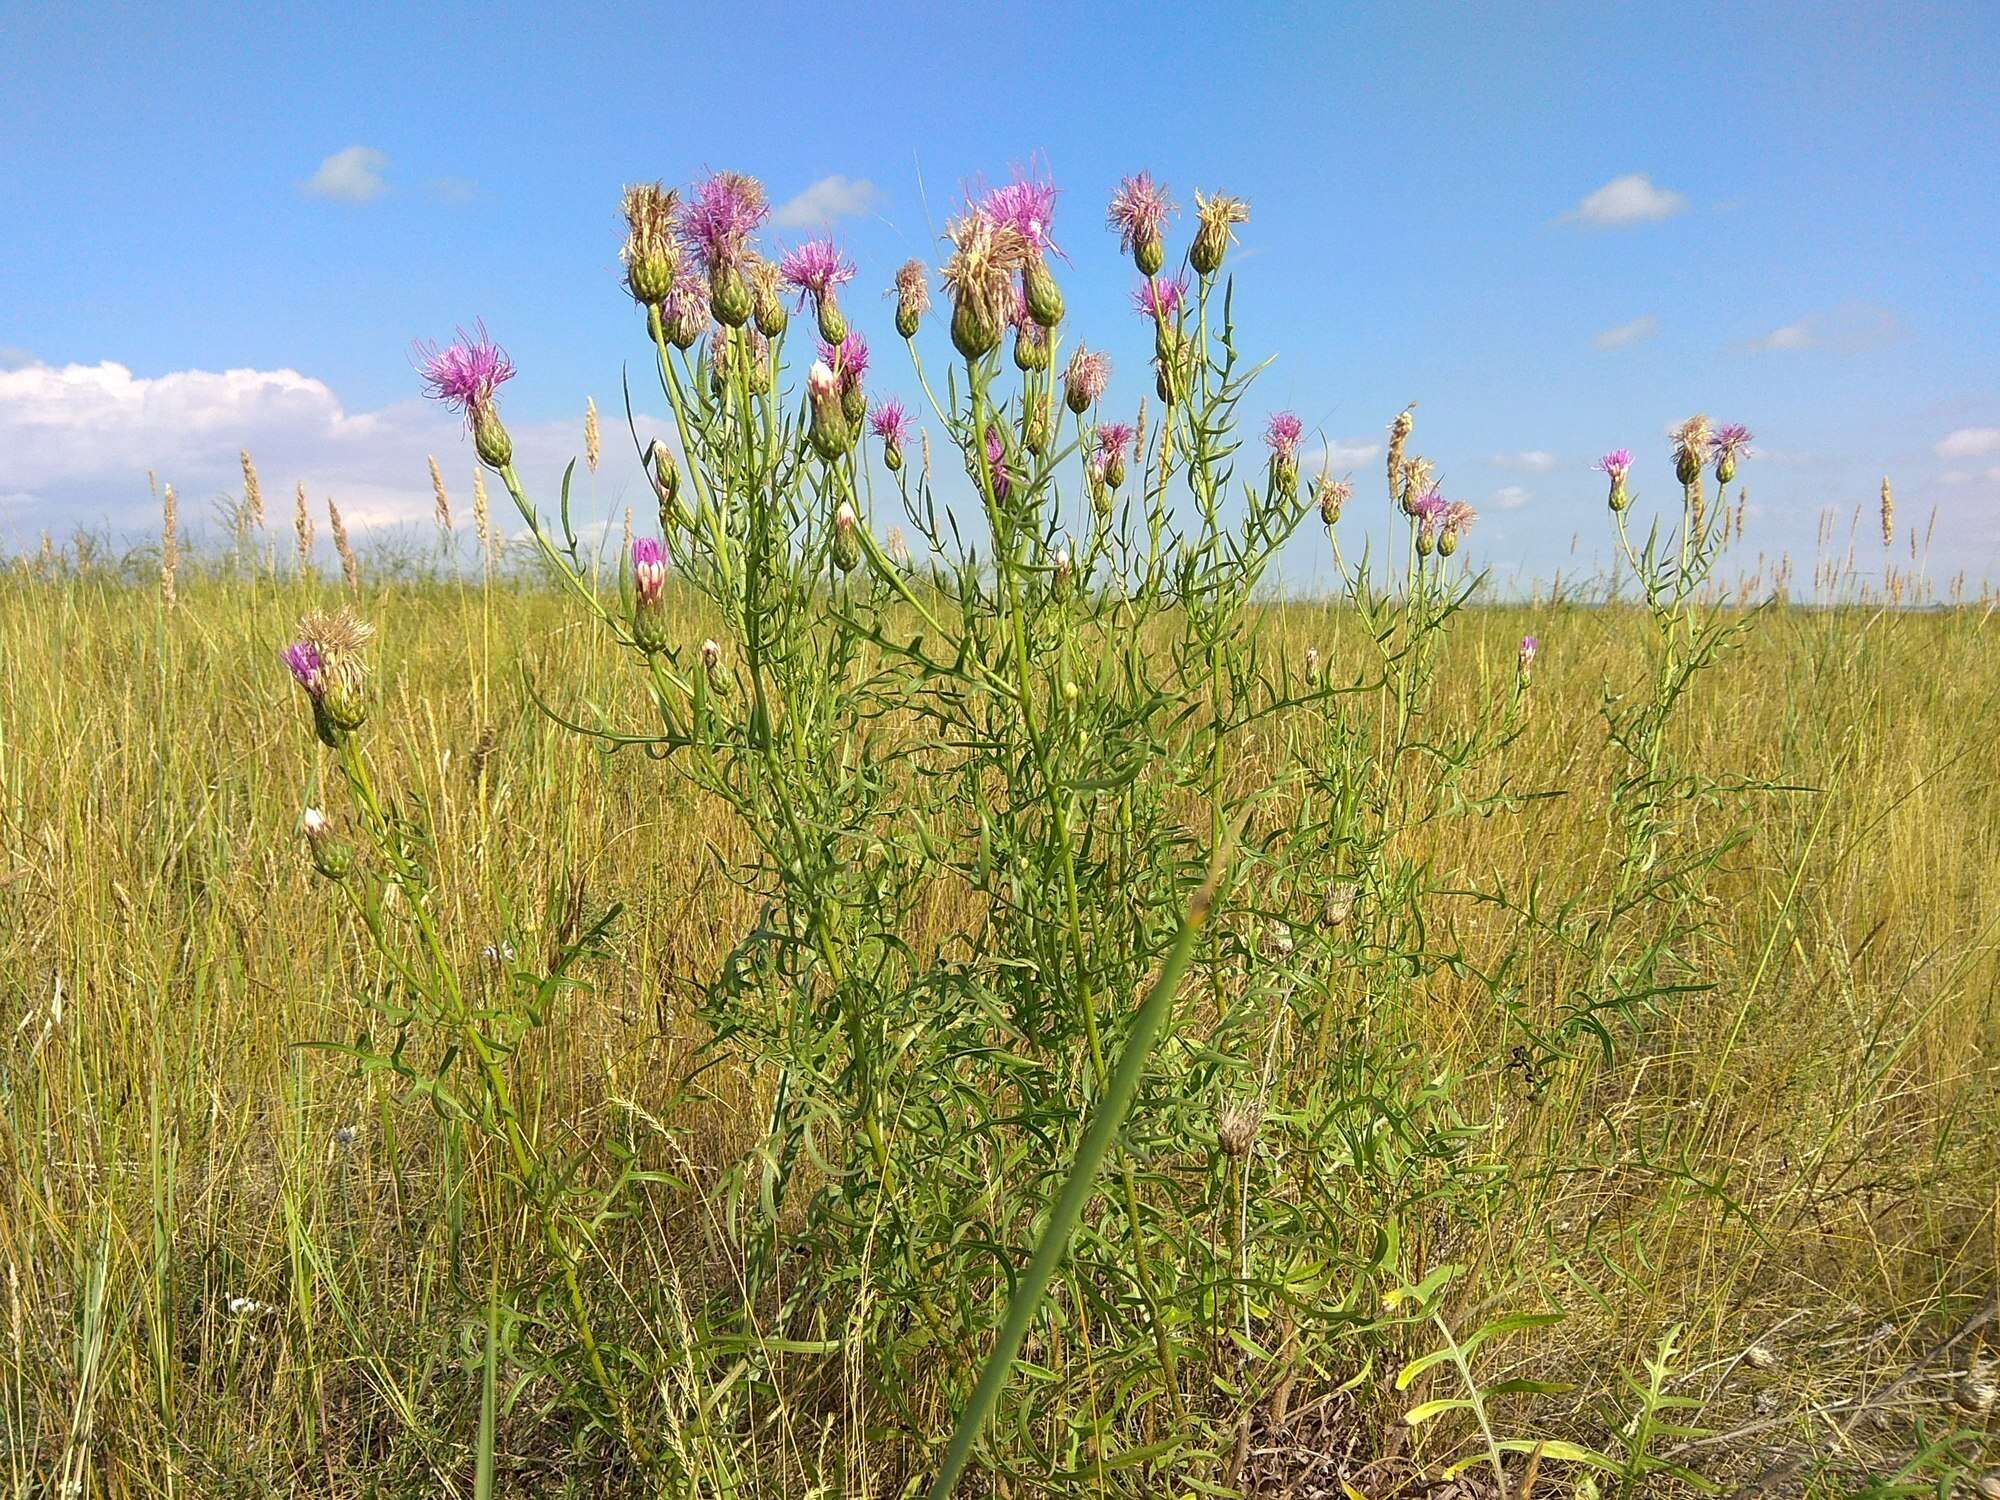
1558, 228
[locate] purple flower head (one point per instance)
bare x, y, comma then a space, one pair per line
996, 457
1027, 205
1615, 463
1731, 438
465, 373
308, 667
814, 269
1429, 510
1138, 209
1529, 646
1283, 434
1161, 297
850, 359
1113, 438
890, 422
725, 211
1458, 516
649, 569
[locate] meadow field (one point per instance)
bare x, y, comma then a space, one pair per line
1750, 1204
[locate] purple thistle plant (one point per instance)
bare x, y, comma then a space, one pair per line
1161, 297
1139, 210
466, 373
1113, 438
1027, 205
1089, 372
726, 209
890, 422
1731, 437
1616, 463
1283, 434
1458, 516
814, 269
1529, 646
996, 461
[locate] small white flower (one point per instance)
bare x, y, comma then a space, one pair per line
315, 822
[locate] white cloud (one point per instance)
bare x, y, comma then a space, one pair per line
1510, 497
830, 198
1638, 329
1961, 476
1970, 442
76, 442
1627, 200
1531, 460
455, 191
351, 175
1849, 328
12, 357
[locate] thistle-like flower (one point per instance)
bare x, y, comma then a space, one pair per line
1456, 521
1282, 434
1236, 1127
652, 249
684, 311
1216, 232
816, 270
1428, 510
891, 424
1331, 495
1084, 381
995, 448
979, 274
1689, 444
1161, 298
1415, 479
649, 590
912, 292
1729, 443
332, 856
467, 374
1615, 465
325, 660
1113, 439
1027, 206
1139, 211
726, 210
849, 361
1525, 663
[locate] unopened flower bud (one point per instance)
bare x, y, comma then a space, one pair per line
489, 438
729, 293
828, 429
1062, 572
1149, 252
711, 654
846, 539
1526, 661
832, 323
331, 856
649, 587
1045, 299
1447, 541
975, 325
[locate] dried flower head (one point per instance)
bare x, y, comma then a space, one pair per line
1236, 1127
1216, 232
325, 660
593, 437
1331, 495
912, 292
1139, 212
651, 252
253, 492
1688, 444
979, 274
1084, 381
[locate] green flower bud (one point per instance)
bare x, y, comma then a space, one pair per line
729, 294
853, 403
832, 325
975, 326
892, 456
907, 319
1149, 252
332, 857
846, 539
490, 439
1045, 299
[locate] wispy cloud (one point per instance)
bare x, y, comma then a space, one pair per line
831, 198
1511, 497
1851, 328
1636, 331
1969, 442
1529, 460
1341, 453
455, 191
1628, 200
350, 175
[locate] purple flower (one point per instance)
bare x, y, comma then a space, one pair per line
1731, 439
1161, 296
1615, 463
1529, 646
1458, 516
1138, 210
996, 460
726, 209
649, 569
1027, 205
307, 665
1283, 435
850, 359
1113, 438
890, 422
466, 373
814, 269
